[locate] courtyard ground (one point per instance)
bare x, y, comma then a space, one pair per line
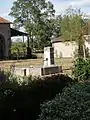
66, 63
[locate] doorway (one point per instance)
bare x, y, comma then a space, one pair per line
2, 47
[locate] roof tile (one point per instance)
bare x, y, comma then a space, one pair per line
2, 20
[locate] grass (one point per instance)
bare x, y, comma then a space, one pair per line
66, 63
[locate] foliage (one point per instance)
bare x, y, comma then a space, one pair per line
56, 26
72, 104
87, 54
22, 100
81, 69
73, 27
35, 16
18, 49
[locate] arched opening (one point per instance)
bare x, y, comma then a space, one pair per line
2, 47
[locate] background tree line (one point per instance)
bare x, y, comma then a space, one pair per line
38, 18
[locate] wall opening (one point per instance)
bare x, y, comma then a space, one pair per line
2, 47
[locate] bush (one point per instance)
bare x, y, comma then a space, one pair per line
22, 101
18, 50
34, 56
81, 69
72, 104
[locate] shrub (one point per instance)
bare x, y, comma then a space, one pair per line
22, 101
34, 56
18, 50
81, 69
72, 104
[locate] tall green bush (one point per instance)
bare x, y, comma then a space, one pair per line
72, 104
81, 69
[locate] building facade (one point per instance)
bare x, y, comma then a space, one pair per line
67, 49
6, 32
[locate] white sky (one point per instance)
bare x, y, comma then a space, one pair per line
59, 5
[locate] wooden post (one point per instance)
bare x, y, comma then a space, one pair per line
27, 41
29, 52
24, 72
23, 38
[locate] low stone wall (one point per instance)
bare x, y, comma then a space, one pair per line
38, 71
28, 71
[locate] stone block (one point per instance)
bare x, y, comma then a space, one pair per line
48, 56
51, 70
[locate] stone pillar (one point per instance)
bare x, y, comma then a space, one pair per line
48, 56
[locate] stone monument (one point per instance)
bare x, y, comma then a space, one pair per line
49, 67
48, 56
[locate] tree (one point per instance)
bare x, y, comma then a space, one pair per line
56, 25
34, 16
73, 27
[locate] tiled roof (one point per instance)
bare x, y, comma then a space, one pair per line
2, 20
58, 39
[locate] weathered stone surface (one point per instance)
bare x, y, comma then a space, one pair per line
38, 71
35, 71
48, 56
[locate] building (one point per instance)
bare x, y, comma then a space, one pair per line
5, 38
6, 32
67, 49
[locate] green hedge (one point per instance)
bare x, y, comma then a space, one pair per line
22, 101
72, 104
81, 69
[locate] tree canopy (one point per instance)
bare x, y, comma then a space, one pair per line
39, 20
74, 27
35, 16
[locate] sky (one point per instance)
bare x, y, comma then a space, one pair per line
59, 6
